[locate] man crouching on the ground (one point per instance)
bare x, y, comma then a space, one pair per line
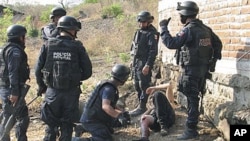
100, 109
162, 116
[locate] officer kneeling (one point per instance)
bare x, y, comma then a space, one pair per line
101, 111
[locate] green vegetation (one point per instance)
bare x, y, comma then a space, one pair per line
125, 57
5, 21
113, 10
29, 24
45, 14
91, 1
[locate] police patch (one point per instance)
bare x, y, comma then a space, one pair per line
62, 55
16, 53
181, 33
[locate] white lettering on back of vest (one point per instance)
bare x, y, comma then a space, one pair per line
62, 55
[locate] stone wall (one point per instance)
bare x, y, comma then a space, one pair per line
227, 100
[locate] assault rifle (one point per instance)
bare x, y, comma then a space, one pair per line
14, 110
134, 52
177, 56
135, 47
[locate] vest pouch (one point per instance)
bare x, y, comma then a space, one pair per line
61, 79
46, 77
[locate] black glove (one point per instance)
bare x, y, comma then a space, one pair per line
127, 116
165, 22
116, 123
124, 119
41, 90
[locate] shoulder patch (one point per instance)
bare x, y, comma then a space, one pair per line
16, 53
181, 33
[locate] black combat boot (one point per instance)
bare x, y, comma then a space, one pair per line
140, 109
163, 123
164, 131
188, 134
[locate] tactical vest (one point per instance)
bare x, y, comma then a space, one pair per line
62, 69
93, 108
140, 47
199, 51
24, 70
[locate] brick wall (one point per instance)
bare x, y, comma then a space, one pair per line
230, 20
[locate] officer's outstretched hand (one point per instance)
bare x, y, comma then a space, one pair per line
164, 22
124, 118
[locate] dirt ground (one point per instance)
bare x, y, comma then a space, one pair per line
206, 130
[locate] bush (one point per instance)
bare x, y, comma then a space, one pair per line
91, 1
45, 15
29, 23
125, 57
33, 33
113, 10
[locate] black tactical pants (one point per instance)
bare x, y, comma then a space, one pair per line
99, 131
59, 113
190, 87
142, 82
163, 113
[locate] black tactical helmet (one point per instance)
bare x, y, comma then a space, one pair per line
68, 22
144, 16
15, 31
120, 72
187, 8
57, 11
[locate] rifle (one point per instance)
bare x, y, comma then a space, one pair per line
203, 90
41, 90
15, 109
134, 52
177, 56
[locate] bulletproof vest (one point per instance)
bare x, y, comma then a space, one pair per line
199, 51
62, 69
141, 47
24, 70
93, 108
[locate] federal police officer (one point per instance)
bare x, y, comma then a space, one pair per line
50, 30
14, 72
144, 51
100, 109
198, 46
63, 63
